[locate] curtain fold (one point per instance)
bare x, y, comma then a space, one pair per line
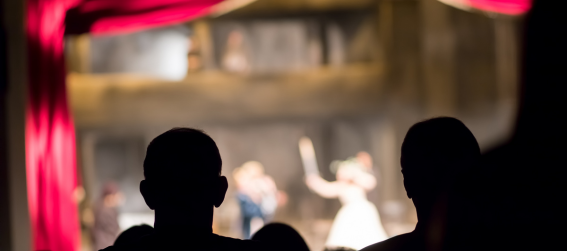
510, 7
50, 133
507, 7
111, 16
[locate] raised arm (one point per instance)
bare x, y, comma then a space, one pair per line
322, 187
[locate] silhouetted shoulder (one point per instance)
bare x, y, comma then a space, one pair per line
216, 243
121, 248
146, 243
111, 248
226, 243
401, 242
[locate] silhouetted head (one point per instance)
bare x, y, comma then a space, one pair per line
133, 234
434, 153
282, 236
183, 171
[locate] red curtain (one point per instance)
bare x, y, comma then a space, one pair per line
508, 7
118, 16
50, 136
50, 133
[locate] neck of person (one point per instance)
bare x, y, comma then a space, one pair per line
432, 220
184, 222
430, 231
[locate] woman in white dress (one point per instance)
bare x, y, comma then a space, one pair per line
357, 223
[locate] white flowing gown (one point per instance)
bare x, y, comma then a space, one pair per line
357, 223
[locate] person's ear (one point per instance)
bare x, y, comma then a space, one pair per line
221, 191
407, 187
147, 191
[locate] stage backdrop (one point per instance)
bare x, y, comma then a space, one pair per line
50, 134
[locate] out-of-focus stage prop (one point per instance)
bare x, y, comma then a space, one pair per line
50, 134
357, 223
507, 7
160, 52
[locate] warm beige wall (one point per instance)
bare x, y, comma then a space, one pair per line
214, 96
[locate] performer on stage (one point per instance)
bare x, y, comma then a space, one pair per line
106, 228
235, 58
257, 195
357, 223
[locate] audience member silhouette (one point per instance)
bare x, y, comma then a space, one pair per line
183, 184
281, 235
525, 185
436, 153
132, 235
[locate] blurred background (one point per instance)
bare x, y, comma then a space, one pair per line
351, 75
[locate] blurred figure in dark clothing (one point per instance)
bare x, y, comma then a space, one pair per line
106, 228
132, 235
249, 210
435, 155
281, 235
257, 196
183, 184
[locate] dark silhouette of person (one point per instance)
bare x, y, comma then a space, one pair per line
183, 184
281, 235
133, 234
436, 153
526, 186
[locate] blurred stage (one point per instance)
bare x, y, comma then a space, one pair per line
351, 75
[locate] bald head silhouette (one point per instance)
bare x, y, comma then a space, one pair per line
182, 172
434, 153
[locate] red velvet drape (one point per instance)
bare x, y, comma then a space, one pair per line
50, 134
118, 16
510, 7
